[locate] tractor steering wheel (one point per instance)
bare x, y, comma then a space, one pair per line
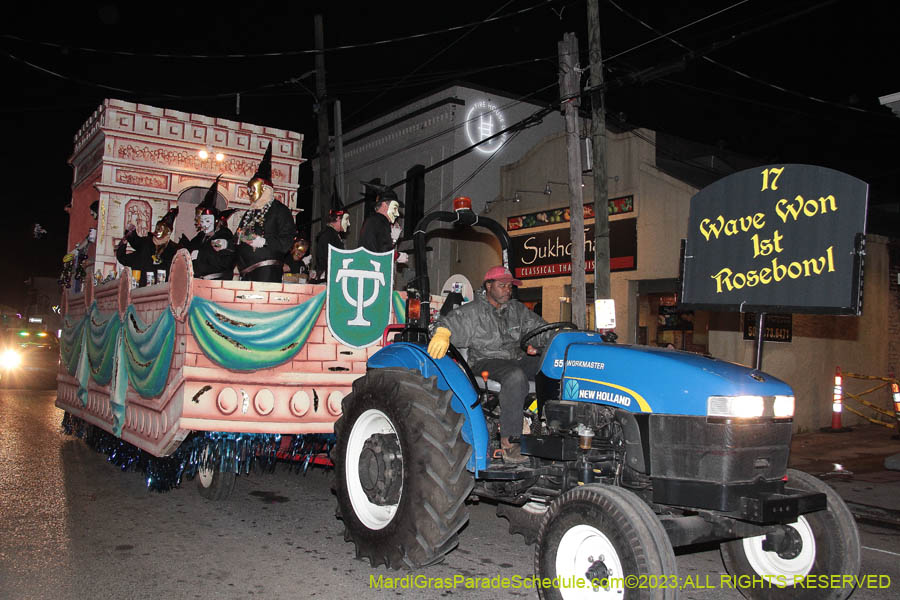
523, 341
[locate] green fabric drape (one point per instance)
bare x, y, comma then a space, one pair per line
102, 332
243, 340
399, 307
103, 348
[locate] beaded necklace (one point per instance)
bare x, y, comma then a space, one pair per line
254, 219
156, 257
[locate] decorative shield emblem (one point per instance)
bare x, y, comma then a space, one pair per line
359, 295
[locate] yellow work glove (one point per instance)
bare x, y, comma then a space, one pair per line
439, 344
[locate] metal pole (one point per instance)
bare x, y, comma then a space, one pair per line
338, 149
570, 99
760, 328
322, 103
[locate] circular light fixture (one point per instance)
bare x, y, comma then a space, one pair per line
219, 157
203, 154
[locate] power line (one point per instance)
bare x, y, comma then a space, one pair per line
676, 30
429, 61
103, 86
745, 75
68, 48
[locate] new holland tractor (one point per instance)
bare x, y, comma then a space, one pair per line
633, 451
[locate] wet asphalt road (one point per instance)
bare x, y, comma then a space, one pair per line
74, 526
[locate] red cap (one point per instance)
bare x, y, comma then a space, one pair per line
501, 274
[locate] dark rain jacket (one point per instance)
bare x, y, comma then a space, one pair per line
490, 332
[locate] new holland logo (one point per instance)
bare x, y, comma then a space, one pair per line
359, 295
571, 390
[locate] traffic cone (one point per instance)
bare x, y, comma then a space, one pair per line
837, 405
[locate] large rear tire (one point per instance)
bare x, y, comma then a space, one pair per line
600, 532
827, 544
401, 472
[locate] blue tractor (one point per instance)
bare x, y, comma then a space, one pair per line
633, 451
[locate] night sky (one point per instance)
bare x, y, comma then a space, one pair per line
831, 59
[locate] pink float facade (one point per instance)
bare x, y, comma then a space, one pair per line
138, 161
301, 396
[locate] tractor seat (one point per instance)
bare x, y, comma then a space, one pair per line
492, 385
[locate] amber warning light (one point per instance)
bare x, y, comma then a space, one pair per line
462, 203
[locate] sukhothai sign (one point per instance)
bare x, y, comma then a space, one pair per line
782, 238
549, 253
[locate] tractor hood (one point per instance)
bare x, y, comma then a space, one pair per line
644, 379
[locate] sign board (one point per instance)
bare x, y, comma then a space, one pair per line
781, 238
617, 206
549, 253
778, 327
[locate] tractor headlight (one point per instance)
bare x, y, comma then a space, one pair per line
10, 359
741, 407
783, 407
750, 407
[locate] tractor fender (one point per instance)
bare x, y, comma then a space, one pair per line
449, 377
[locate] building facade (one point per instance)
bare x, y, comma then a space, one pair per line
428, 132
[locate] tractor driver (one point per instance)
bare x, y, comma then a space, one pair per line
490, 327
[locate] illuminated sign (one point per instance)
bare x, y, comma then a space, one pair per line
549, 253
784, 238
482, 121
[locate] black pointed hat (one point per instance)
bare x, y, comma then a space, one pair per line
168, 219
225, 215
208, 205
383, 193
264, 170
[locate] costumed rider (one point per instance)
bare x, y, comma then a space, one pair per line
376, 235
490, 327
266, 231
152, 252
298, 259
212, 249
337, 222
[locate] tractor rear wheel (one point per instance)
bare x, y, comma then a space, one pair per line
401, 471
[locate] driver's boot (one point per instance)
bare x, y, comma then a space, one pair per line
511, 453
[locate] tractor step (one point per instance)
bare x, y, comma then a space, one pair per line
498, 470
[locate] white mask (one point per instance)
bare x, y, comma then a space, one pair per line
207, 223
345, 222
393, 211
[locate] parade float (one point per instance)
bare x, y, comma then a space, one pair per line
192, 374
215, 375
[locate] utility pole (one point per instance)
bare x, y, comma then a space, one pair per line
338, 148
570, 99
598, 141
322, 103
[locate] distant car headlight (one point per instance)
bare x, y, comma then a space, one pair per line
741, 407
10, 359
